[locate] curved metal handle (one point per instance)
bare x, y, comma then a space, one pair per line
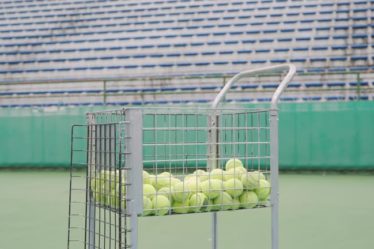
278, 91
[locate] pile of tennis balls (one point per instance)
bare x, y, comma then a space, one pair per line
201, 191
106, 188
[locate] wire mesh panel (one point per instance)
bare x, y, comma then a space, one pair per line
179, 164
102, 209
167, 161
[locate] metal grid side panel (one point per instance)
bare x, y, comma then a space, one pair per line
174, 146
178, 146
77, 191
107, 183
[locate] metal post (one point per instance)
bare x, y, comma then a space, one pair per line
91, 168
212, 164
91, 223
134, 164
274, 171
214, 230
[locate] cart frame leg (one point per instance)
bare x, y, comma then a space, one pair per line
134, 164
274, 171
214, 231
91, 224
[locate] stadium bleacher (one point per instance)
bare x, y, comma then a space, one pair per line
96, 48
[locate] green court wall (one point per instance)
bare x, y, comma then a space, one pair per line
323, 136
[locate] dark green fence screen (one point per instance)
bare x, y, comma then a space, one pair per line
334, 135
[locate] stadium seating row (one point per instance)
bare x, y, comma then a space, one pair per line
112, 21
212, 42
201, 64
241, 27
197, 88
196, 15
200, 59
194, 50
161, 102
86, 5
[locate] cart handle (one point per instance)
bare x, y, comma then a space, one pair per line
278, 91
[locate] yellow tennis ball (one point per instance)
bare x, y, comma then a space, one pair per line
163, 180
233, 163
166, 191
193, 185
147, 206
209, 206
235, 203
146, 178
217, 174
203, 175
251, 180
152, 180
233, 187
161, 205
174, 181
223, 201
181, 207
148, 190
180, 192
237, 172
197, 201
212, 188
248, 199
192, 177
263, 190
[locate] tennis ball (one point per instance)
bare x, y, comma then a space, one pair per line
165, 191
233, 163
233, 187
107, 180
217, 174
237, 172
146, 178
166, 173
123, 196
163, 180
98, 193
180, 192
174, 181
263, 190
193, 185
203, 175
211, 188
209, 206
192, 177
95, 189
115, 197
248, 199
147, 206
235, 203
197, 201
223, 201
152, 180
161, 205
181, 207
112, 199
251, 180
148, 190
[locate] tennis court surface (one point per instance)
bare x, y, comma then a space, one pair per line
317, 210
